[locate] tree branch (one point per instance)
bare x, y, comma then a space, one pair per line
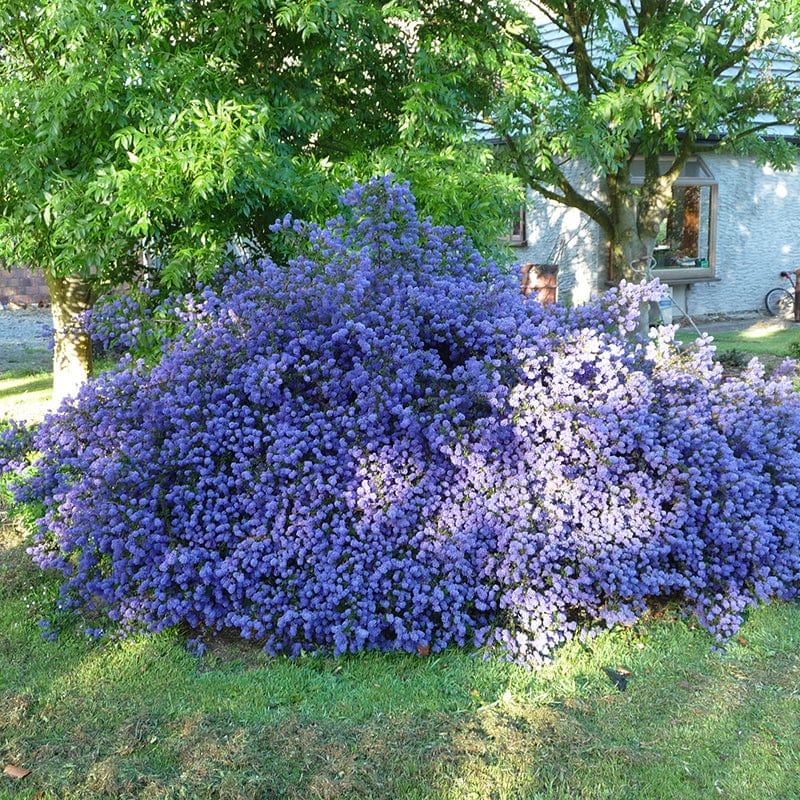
568, 196
568, 21
763, 126
536, 49
38, 74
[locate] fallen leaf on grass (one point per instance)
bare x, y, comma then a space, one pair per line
742, 641
16, 772
626, 673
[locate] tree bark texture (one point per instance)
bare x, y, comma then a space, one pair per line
629, 256
70, 296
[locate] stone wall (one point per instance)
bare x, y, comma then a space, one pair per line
23, 287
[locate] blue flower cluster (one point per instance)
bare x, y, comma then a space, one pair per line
16, 441
140, 323
381, 444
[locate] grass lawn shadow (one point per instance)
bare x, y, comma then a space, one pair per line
27, 384
144, 718
16, 359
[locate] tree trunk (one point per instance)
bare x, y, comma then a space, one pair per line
70, 296
636, 217
630, 255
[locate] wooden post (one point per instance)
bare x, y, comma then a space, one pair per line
797, 295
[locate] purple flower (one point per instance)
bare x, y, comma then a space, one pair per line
381, 444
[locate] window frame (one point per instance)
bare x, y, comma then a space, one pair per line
704, 179
519, 239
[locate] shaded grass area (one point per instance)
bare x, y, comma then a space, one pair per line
143, 718
22, 359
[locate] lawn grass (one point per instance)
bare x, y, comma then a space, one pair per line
21, 359
25, 393
758, 340
144, 718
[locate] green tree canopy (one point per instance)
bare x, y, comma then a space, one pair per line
180, 123
179, 127
605, 81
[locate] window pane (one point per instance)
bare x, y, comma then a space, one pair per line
683, 240
518, 234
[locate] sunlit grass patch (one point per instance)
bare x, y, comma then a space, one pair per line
13, 386
25, 395
758, 340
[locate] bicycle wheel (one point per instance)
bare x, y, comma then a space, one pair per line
780, 303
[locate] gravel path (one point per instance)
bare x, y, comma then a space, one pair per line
25, 337
26, 325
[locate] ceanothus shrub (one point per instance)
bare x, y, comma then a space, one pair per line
16, 440
139, 323
381, 444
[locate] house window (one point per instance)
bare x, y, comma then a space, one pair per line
686, 244
518, 235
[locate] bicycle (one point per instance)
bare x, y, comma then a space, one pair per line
780, 300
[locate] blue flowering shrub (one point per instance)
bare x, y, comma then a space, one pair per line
16, 441
381, 444
139, 323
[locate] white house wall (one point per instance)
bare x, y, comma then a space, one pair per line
758, 235
582, 259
